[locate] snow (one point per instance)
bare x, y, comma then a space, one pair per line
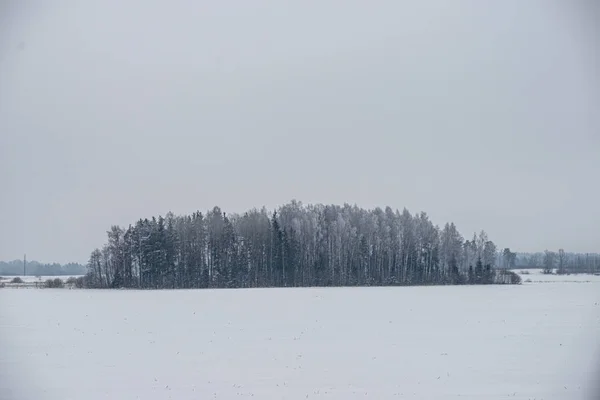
475, 342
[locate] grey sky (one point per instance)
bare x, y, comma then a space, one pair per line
478, 112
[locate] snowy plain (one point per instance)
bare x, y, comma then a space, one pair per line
533, 341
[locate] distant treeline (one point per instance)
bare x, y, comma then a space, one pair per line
35, 268
561, 261
295, 245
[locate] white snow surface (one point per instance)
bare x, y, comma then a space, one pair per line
536, 341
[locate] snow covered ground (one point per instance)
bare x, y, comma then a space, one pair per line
534, 341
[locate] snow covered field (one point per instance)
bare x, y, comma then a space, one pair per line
534, 341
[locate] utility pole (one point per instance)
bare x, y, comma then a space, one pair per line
25, 265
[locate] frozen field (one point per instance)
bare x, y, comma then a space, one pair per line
534, 341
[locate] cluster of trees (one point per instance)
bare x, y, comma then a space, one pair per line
34, 268
562, 262
296, 245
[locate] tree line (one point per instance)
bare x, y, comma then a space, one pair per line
561, 262
295, 245
35, 268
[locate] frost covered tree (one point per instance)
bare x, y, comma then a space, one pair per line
508, 259
549, 261
489, 253
562, 262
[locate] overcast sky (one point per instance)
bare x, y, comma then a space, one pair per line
484, 113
